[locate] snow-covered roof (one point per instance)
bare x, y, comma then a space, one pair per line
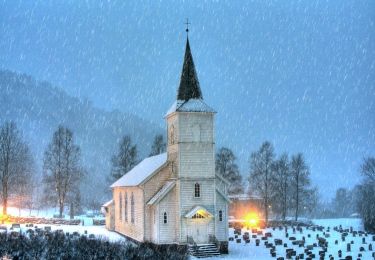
162, 192
141, 171
107, 203
192, 105
194, 210
244, 197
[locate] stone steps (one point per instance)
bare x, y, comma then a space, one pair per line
203, 250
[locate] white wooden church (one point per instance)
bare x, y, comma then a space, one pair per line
176, 197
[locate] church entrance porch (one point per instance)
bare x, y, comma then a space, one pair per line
198, 222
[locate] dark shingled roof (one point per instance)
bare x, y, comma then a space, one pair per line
189, 84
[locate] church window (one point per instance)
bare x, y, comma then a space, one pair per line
171, 135
220, 215
197, 190
126, 207
165, 218
120, 206
132, 208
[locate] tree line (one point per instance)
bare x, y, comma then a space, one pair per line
282, 183
63, 170
358, 201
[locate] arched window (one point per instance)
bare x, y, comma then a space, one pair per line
126, 207
197, 190
165, 218
220, 215
120, 206
132, 208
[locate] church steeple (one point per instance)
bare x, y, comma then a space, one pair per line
189, 85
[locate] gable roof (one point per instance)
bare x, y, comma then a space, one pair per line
141, 171
108, 203
168, 186
189, 84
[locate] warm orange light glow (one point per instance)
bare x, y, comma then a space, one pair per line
252, 219
3, 218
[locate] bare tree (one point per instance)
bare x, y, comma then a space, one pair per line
226, 166
368, 169
15, 162
125, 159
300, 183
282, 177
158, 146
62, 171
261, 180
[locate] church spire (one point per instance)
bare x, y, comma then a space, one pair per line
189, 85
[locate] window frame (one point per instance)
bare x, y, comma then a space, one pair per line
165, 218
221, 215
126, 207
120, 206
197, 190
132, 209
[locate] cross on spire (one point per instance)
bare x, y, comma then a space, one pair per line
187, 26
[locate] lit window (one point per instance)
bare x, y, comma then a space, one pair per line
197, 190
220, 215
197, 215
126, 207
132, 208
165, 218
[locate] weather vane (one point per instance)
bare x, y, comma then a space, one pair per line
187, 26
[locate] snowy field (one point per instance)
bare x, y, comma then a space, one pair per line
251, 251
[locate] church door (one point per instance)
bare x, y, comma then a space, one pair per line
200, 232
199, 228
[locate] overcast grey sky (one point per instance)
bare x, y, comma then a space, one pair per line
297, 73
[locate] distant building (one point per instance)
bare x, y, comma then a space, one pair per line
176, 197
243, 204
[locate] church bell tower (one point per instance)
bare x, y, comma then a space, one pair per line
191, 152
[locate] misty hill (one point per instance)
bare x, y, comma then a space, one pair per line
38, 108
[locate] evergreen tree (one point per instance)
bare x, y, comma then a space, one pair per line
158, 146
125, 159
226, 166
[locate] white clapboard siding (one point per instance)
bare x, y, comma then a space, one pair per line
150, 188
134, 230
221, 226
167, 232
188, 122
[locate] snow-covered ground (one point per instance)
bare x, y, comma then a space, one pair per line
251, 251
98, 231
49, 213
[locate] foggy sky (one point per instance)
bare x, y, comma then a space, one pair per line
297, 73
